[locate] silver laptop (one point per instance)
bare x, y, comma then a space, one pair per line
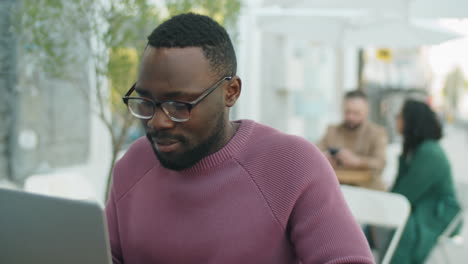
41, 229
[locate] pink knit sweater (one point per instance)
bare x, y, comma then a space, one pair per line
264, 198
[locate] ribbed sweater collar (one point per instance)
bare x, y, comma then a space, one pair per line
235, 144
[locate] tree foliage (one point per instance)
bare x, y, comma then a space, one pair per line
110, 36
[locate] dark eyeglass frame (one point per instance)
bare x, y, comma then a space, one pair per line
156, 104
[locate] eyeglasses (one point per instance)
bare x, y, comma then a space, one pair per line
144, 108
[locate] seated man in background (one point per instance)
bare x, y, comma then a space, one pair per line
356, 147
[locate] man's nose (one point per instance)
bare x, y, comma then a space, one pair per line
160, 120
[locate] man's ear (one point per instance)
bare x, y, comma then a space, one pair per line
232, 91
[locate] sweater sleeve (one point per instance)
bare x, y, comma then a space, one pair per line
322, 228
112, 223
421, 174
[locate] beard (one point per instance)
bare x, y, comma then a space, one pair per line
194, 154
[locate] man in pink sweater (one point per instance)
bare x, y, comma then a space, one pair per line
203, 189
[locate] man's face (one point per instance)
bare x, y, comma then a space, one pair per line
182, 74
356, 111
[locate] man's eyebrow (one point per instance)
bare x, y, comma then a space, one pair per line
142, 92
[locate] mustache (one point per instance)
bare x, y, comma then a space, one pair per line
164, 135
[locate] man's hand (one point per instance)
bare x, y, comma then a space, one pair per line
347, 158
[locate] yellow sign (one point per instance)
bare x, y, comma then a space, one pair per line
384, 54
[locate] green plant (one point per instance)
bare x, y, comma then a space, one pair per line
111, 36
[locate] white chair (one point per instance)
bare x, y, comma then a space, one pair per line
377, 208
441, 252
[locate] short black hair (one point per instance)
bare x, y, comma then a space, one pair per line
420, 124
356, 94
194, 30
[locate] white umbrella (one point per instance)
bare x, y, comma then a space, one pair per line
326, 30
361, 22
438, 9
382, 5
337, 31
397, 34
416, 9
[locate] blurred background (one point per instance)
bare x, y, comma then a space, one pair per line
65, 64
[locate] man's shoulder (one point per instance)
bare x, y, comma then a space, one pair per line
268, 147
283, 166
376, 129
264, 138
334, 129
134, 164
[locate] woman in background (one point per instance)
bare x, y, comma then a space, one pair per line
424, 177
